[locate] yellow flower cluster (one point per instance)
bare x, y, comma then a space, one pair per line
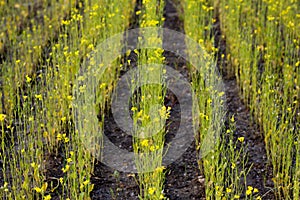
62, 137
66, 168
41, 189
160, 169
2, 117
251, 190
164, 112
39, 96
241, 139
149, 23
145, 143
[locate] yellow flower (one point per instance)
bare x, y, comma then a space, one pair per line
149, 23
152, 148
38, 190
160, 169
209, 101
145, 143
69, 160
134, 109
67, 139
236, 196
151, 190
233, 165
291, 24
81, 186
228, 190
91, 46
48, 197
232, 118
86, 182
140, 114
255, 190
165, 112
103, 85
39, 96
63, 119
241, 139
66, 168
65, 22
28, 79
69, 97
59, 137
2, 117
258, 198
34, 165
249, 190
270, 18
138, 12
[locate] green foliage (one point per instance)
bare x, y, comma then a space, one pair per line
263, 45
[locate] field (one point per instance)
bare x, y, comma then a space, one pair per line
150, 99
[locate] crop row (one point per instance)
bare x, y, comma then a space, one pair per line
224, 157
25, 33
149, 112
263, 51
36, 120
